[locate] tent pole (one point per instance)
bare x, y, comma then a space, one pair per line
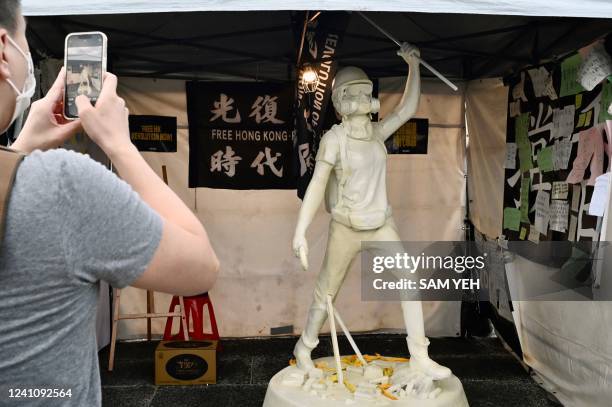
425, 64
299, 58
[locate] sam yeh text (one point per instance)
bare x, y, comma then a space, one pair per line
428, 284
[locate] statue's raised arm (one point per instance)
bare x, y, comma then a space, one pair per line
409, 103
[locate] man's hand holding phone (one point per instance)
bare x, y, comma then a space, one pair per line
106, 123
46, 126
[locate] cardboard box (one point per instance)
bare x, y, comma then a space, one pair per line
186, 362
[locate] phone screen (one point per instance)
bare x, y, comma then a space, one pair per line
84, 69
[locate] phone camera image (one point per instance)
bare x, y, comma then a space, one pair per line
83, 70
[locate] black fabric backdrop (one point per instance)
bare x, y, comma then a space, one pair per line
240, 135
538, 109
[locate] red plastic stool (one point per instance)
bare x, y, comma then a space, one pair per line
194, 307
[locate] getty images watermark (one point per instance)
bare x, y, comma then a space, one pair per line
450, 271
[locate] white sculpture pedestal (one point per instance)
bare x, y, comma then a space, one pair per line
281, 394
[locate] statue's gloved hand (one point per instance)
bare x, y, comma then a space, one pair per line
300, 249
410, 53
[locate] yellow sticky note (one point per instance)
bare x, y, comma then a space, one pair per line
523, 233
578, 100
587, 121
581, 120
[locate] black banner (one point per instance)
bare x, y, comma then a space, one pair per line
153, 133
240, 135
411, 138
323, 39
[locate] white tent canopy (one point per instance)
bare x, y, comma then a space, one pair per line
561, 8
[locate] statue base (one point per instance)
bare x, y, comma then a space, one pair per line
293, 388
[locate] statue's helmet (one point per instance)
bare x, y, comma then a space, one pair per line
345, 78
350, 75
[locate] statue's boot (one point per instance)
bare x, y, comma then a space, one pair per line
420, 360
310, 337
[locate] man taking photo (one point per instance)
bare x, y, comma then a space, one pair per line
71, 223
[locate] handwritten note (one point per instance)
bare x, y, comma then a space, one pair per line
523, 233
560, 190
534, 235
595, 68
510, 156
545, 159
525, 187
542, 211
562, 150
559, 211
575, 197
512, 219
569, 76
563, 122
542, 83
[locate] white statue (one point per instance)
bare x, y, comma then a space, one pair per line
350, 173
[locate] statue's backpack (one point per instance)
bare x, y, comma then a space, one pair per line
9, 162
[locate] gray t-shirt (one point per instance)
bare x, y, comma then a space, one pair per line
70, 224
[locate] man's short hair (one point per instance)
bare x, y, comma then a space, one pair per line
9, 12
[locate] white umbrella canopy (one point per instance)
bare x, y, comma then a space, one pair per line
558, 8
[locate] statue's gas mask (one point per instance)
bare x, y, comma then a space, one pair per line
352, 93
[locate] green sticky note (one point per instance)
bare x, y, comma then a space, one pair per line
569, 76
521, 129
525, 158
523, 234
605, 101
525, 187
545, 159
512, 219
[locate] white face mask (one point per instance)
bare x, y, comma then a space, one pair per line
357, 101
24, 96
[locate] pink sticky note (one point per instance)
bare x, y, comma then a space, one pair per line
590, 149
608, 146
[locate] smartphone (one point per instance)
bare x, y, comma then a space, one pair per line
85, 62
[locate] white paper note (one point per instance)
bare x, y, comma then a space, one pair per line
542, 211
542, 83
571, 235
510, 156
599, 200
560, 190
575, 197
534, 235
515, 108
562, 150
595, 67
518, 91
559, 211
563, 122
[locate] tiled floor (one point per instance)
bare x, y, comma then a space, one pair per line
490, 375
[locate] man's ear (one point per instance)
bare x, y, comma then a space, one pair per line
5, 72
